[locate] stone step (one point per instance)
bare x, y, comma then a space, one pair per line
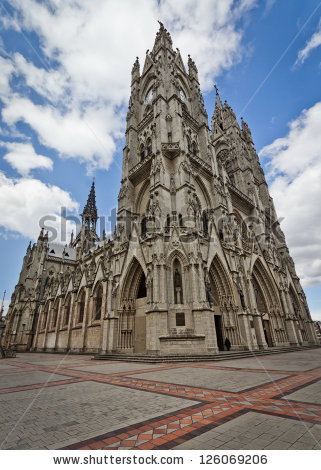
222, 356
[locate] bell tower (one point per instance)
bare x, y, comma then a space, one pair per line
167, 194
166, 123
195, 221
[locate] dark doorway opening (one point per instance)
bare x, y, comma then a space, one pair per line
142, 288
219, 335
267, 333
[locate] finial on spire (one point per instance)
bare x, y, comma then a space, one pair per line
218, 104
135, 69
162, 37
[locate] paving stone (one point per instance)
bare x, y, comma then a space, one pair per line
67, 414
310, 393
209, 378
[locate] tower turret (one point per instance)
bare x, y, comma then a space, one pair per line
87, 235
89, 215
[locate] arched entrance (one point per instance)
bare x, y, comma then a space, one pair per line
220, 297
132, 313
265, 299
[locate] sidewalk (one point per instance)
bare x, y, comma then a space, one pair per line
51, 401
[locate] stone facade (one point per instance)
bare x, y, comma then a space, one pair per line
197, 255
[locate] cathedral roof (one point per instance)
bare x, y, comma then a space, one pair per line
55, 250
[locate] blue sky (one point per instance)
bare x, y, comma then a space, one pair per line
64, 90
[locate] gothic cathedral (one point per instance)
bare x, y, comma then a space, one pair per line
197, 255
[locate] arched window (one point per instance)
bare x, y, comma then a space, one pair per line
205, 223
55, 314
143, 226
142, 153
259, 298
149, 146
98, 303
81, 307
168, 220
220, 233
177, 282
149, 95
180, 220
194, 148
44, 318
67, 311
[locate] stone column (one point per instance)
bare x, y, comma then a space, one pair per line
59, 315
104, 309
47, 325
35, 341
71, 318
291, 331
85, 319
155, 297
259, 332
246, 331
258, 325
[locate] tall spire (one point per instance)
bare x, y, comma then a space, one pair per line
218, 104
89, 215
163, 38
217, 119
246, 131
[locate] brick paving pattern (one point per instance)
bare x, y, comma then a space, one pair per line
52, 401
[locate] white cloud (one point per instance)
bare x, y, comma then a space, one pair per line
50, 84
6, 304
312, 43
23, 158
87, 51
84, 137
7, 69
25, 201
206, 29
268, 6
295, 168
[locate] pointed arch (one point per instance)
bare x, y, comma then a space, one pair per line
133, 280
177, 254
294, 300
266, 285
183, 84
220, 284
44, 316
54, 315
98, 301
178, 282
204, 192
241, 223
140, 196
147, 83
81, 305
67, 308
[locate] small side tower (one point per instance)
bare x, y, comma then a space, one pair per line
87, 236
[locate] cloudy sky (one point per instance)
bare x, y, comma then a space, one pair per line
64, 89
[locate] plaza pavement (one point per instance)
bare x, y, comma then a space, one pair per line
51, 401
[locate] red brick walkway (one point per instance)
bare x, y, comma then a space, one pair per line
212, 407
